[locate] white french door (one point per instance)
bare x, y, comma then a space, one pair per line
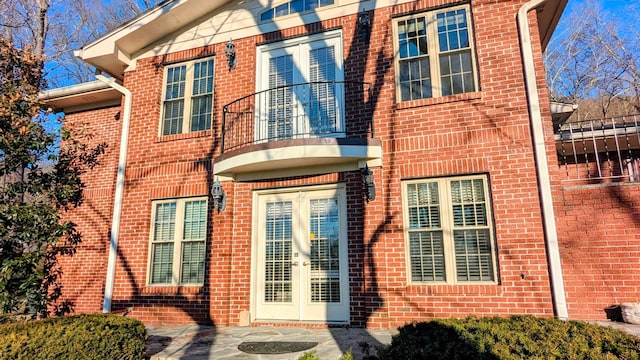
301, 263
314, 106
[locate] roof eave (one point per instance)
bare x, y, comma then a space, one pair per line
548, 18
115, 51
81, 97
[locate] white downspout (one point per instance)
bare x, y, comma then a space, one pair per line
535, 117
117, 201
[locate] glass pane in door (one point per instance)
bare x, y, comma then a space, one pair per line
322, 108
277, 255
324, 259
281, 106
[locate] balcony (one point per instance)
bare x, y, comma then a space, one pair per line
598, 151
299, 129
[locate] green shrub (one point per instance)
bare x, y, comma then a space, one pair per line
74, 337
516, 337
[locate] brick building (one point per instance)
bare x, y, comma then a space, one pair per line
337, 162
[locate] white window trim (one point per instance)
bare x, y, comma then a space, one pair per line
177, 240
434, 52
188, 94
330, 37
446, 213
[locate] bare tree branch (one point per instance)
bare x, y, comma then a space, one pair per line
593, 62
55, 28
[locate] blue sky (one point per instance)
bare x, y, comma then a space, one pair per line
614, 6
620, 10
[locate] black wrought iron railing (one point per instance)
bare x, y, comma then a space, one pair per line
299, 111
602, 149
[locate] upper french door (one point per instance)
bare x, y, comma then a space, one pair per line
303, 91
301, 250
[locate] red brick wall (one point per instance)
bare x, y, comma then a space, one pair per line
84, 273
481, 132
599, 236
598, 223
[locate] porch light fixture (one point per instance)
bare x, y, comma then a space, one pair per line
369, 184
364, 25
219, 196
230, 51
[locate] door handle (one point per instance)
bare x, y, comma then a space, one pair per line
294, 263
304, 263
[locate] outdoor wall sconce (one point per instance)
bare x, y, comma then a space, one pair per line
364, 26
369, 184
218, 195
230, 51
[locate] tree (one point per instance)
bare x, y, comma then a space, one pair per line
55, 28
594, 62
40, 178
41, 163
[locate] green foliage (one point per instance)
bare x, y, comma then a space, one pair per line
516, 337
74, 337
313, 355
309, 355
40, 178
347, 356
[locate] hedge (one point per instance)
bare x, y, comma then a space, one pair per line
98, 336
516, 337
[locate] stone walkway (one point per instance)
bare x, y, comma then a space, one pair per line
200, 343
631, 329
203, 343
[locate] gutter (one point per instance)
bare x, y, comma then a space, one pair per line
73, 90
542, 167
117, 201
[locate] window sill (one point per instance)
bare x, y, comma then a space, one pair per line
172, 290
450, 289
438, 100
189, 135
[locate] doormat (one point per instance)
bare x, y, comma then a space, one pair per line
275, 347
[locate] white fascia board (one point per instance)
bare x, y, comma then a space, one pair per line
106, 43
562, 108
73, 90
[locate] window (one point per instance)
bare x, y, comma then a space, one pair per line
448, 230
435, 54
293, 7
178, 234
188, 94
